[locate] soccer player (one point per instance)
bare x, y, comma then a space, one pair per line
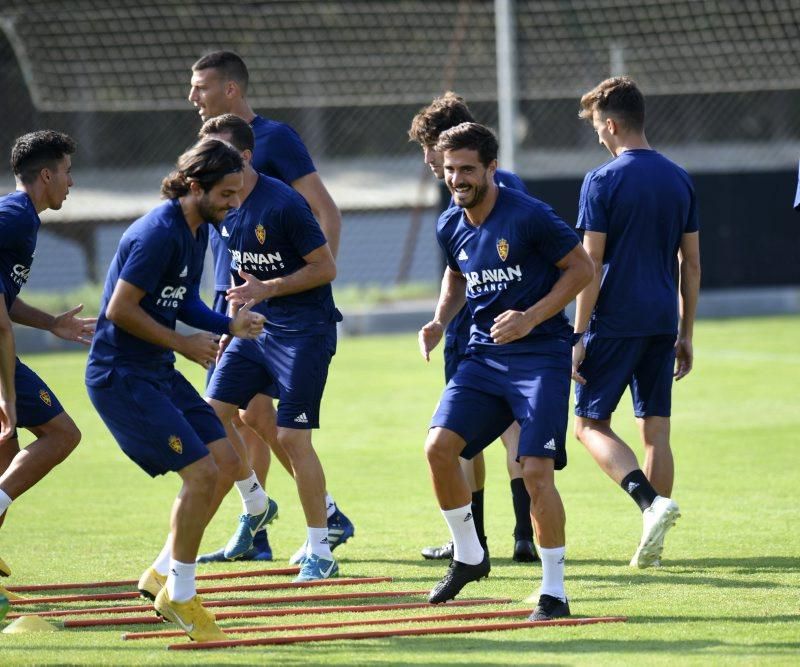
219, 85
442, 114
640, 225
155, 415
518, 265
283, 263
41, 162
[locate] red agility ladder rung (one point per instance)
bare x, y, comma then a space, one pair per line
403, 632
208, 589
463, 616
238, 602
28, 588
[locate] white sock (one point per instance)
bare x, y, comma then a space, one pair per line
318, 543
161, 563
466, 547
254, 498
5, 501
180, 581
553, 572
330, 504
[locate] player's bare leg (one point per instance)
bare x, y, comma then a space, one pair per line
470, 560
177, 601
310, 480
262, 418
258, 509
549, 521
618, 461
524, 549
55, 440
659, 466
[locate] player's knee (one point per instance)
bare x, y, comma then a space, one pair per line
202, 476
440, 448
538, 475
65, 437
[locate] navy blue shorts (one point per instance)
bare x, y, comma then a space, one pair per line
645, 364
162, 424
297, 365
489, 391
36, 403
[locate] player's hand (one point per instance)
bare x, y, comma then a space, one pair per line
8, 419
684, 358
200, 348
578, 355
510, 326
77, 329
251, 291
429, 337
247, 324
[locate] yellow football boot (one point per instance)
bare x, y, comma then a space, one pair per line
194, 619
9, 595
151, 583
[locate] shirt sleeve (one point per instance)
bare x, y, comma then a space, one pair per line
301, 227
592, 213
443, 238
284, 155
551, 236
147, 258
693, 219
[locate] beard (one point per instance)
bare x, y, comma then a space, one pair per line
478, 195
208, 211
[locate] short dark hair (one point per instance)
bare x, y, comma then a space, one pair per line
230, 65
38, 150
472, 136
238, 131
206, 163
618, 97
443, 113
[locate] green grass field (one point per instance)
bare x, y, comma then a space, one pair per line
728, 593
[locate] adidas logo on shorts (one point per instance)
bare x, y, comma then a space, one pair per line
301, 418
462, 256
550, 444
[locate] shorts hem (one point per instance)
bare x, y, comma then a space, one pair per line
587, 414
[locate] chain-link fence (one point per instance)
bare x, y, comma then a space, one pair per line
722, 81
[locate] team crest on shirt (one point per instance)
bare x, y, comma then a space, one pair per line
502, 249
175, 444
261, 233
45, 398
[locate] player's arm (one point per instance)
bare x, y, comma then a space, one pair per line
577, 270
322, 206
452, 297
8, 358
320, 269
689, 258
595, 245
66, 325
125, 311
197, 314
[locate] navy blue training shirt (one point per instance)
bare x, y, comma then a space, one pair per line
509, 264
279, 152
268, 236
19, 227
457, 332
644, 203
159, 255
